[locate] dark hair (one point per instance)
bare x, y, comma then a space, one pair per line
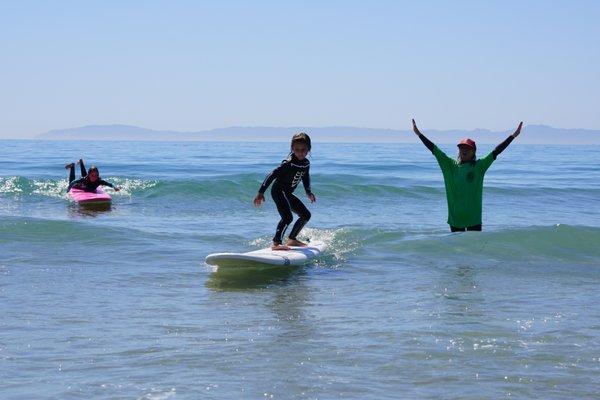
302, 138
472, 160
93, 168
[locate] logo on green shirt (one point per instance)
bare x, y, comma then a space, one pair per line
464, 188
470, 176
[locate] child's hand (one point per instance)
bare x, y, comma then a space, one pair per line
117, 189
312, 197
259, 199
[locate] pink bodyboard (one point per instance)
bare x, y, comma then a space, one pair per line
81, 196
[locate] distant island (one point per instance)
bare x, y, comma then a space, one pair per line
532, 134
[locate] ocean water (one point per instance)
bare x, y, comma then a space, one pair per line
118, 303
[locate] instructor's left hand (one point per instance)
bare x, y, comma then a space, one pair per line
518, 131
311, 197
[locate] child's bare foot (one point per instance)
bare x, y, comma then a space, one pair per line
69, 165
278, 246
294, 242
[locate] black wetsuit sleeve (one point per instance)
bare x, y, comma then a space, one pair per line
500, 148
306, 181
428, 143
75, 183
270, 178
104, 183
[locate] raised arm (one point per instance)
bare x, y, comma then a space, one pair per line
500, 148
428, 143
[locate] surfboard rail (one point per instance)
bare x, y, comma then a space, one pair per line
266, 257
83, 197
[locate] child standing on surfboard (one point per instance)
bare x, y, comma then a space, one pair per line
285, 179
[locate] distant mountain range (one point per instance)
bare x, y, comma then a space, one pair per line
533, 134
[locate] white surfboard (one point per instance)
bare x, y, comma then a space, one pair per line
267, 257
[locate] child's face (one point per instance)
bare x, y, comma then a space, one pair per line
93, 176
300, 150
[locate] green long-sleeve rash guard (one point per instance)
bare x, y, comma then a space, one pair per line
464, 187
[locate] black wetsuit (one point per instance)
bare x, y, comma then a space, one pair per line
83, 183
285, 179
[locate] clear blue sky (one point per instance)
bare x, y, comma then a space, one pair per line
191, 65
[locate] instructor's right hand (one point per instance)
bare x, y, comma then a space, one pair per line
415, 129
259, 199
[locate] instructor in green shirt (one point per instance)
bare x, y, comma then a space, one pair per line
463, 179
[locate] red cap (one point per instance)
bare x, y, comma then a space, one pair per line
467, 142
